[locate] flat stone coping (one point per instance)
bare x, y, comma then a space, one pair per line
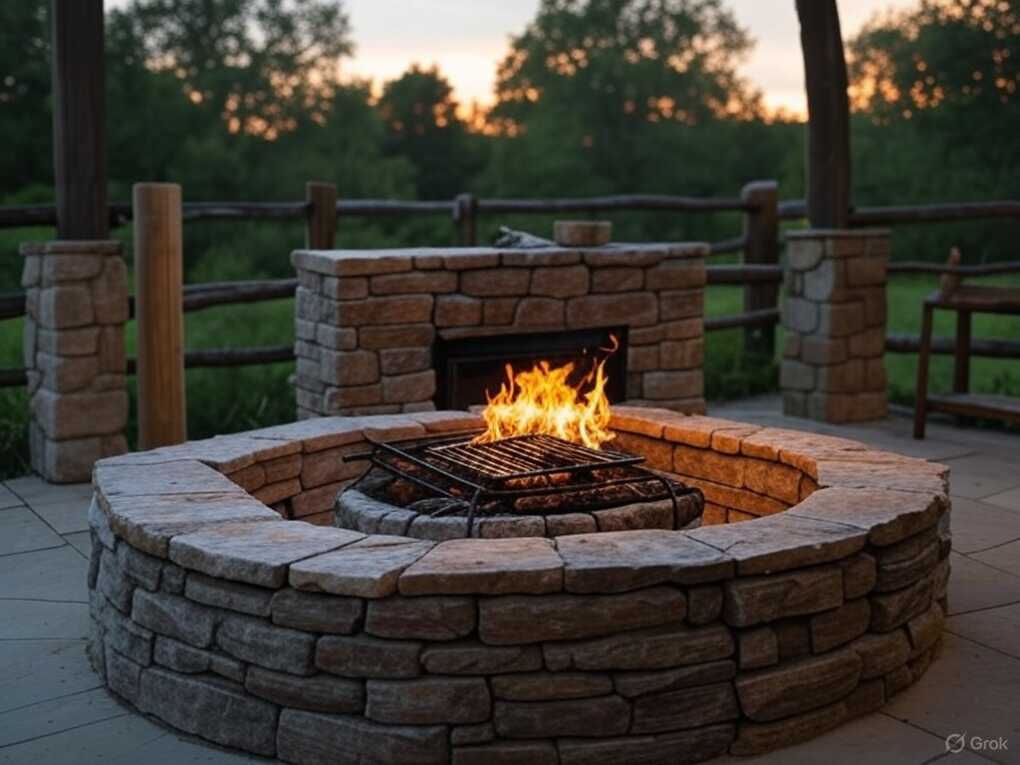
188, 511
372, 262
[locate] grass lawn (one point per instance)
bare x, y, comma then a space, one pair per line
227, 400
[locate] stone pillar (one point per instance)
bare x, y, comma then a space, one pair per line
76, 307
834, 317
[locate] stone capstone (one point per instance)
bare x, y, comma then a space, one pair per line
256, 553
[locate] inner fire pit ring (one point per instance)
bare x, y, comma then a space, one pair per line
322, 645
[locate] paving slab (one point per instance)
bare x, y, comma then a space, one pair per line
21, 530
126, 740
981, 475
996, 628
1005, 557
43, 620
57, 573
66, 515
55, 715
875, 739
37, 670
80, 541
974, 585
8, 498
1008, 499
978, 526
32, 489
969, 689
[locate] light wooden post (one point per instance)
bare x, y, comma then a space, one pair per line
320, 230
159, 311
761, 232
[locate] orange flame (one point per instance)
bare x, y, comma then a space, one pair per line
542, 400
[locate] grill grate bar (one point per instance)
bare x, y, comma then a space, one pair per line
523, 456
483, 474
494, 462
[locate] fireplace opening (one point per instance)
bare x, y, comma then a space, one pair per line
468, 367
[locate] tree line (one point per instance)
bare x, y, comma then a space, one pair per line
247, 99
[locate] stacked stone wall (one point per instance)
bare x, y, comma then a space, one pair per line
366, 321
321, 645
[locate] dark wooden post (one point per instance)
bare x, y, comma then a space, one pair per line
79, 129
828, 160
320, 230
465, 211
761, 234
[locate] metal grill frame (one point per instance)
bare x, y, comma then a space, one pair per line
416, 451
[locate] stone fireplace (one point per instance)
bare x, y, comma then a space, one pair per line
385, 331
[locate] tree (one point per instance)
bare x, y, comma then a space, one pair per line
611, 73
26, 128
262, 66
952, 69
422, 124
934, 89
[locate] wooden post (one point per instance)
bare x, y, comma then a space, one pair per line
828, 160
159, 311
320, 230
761, 234
961, 353
923, 359
465, 211
79, 136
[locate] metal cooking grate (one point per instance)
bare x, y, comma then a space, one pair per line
527, 456
519, 466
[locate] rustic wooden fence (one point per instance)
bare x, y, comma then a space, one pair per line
759, 272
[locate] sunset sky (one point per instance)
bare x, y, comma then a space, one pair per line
467, 38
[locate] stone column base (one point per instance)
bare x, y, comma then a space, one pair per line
76, 306
834, 317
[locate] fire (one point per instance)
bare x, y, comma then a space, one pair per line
542, 400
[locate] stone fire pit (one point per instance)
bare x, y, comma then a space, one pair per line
814, 593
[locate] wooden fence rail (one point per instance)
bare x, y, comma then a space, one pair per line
760, 273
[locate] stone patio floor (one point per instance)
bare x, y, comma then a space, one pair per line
53, 709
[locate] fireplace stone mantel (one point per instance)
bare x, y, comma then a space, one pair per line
366, 320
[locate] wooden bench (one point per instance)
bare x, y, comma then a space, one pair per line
964, 300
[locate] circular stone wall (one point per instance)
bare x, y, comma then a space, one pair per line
359, 512
814, 593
